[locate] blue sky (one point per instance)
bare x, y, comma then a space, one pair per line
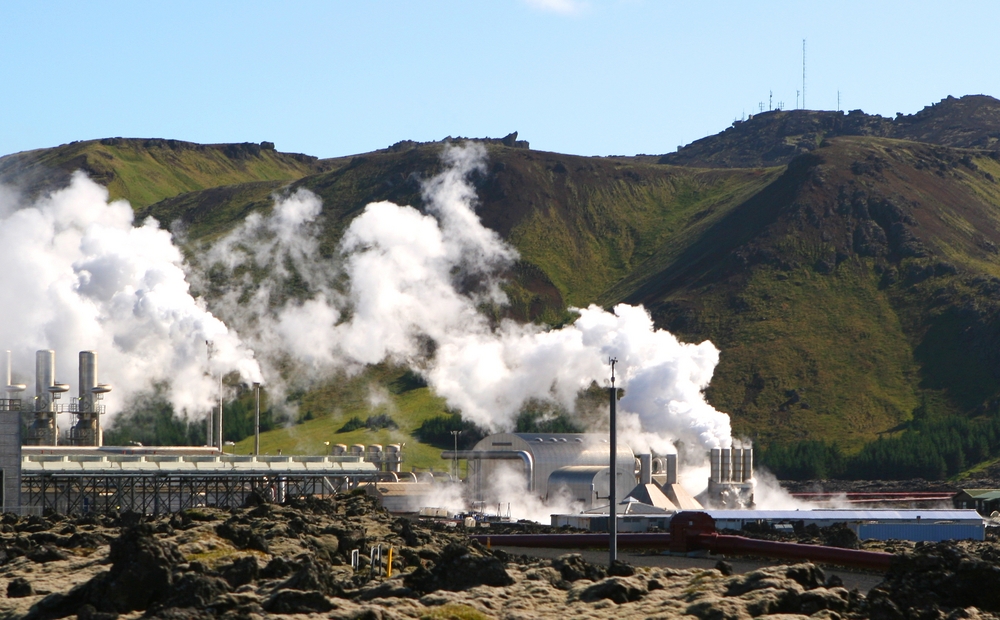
591, 77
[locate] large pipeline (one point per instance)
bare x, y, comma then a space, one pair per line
695, 531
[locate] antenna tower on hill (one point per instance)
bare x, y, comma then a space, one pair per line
803, 74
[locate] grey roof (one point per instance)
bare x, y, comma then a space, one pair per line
982, 493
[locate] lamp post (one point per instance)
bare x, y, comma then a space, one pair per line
454, 460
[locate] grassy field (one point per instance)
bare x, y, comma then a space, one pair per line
325, 410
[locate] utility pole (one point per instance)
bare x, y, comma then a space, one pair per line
613, 474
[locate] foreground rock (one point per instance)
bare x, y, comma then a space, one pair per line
295, 560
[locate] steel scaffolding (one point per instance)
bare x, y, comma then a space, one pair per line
157, 493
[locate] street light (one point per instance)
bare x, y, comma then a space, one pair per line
327, 444
454, 460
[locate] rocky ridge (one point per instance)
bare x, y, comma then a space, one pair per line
774, 137
294, 560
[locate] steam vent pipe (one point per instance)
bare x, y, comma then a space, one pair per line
87, 431
43, 431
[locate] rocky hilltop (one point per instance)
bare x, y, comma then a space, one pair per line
773, 138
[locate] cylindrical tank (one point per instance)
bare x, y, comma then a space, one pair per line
715, 462
726, 467
737, 464
393, 458
375, 454
339, 449
358, 449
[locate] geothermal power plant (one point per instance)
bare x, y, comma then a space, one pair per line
72, 471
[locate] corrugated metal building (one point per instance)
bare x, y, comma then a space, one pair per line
916, 525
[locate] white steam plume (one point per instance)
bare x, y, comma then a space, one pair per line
406, 274
79, 276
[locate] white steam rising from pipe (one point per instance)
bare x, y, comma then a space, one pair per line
78, 275
405, 272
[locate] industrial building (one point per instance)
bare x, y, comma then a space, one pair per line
577, 463
915, 525
83, 475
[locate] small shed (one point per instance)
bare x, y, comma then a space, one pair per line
983, 501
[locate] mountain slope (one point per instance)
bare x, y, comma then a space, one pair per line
147, 171
852, 287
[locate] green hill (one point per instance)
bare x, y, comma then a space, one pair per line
148, 171
853, 289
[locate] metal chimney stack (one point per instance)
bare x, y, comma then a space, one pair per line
88, 431
13, 403
43, 431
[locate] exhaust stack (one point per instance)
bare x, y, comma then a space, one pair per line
43, 430
12, 402
88, 431
731, 483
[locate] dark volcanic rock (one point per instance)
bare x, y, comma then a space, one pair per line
193, 590
297, 602
459, 568
242, 536
312, 576
573, 567
18, 587
241, 572
937, 576
614, 589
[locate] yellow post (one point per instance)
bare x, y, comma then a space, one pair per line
488, 546
388, 568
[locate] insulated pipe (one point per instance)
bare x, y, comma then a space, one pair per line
711, 542
738, 545
496, 455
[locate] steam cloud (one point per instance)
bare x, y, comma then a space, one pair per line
87, 278
78, 275
405, 272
